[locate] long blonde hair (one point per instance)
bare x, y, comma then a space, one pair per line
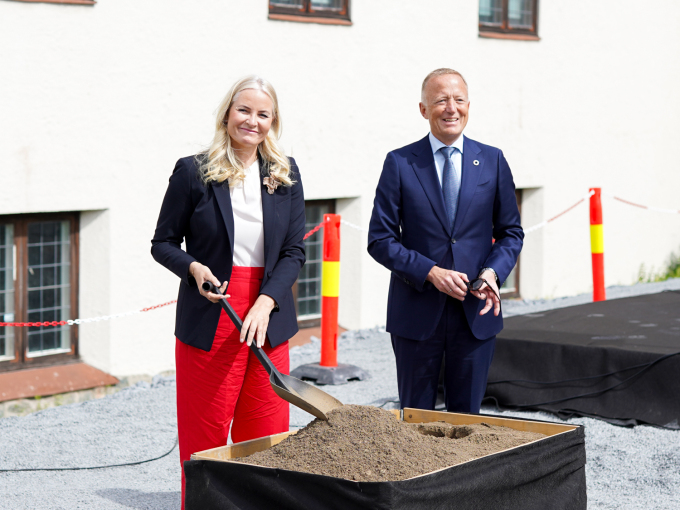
220, 162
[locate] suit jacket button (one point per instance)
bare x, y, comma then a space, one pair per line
269, 274
453, 241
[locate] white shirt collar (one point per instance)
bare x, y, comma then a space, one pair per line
438, 144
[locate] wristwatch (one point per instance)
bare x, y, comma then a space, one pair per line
498, 283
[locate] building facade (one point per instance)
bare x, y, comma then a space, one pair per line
99, 100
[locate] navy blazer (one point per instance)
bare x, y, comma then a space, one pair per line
202, 215
408, 234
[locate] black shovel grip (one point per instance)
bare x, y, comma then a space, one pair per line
264, 359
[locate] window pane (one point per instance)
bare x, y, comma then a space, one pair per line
47, 275
491, 12
309, 281
34, 233
327, 4
34, 274
33, 299
313, 251
49, 258
520, 13
49, 340
48, 254
6, 290
48, 298
34, 256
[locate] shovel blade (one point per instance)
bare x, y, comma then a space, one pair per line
305, 396
300, 394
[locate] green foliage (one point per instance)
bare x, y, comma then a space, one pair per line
672, 270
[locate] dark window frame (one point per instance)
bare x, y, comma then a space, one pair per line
504, 31
307, 13
312, 323
21, 360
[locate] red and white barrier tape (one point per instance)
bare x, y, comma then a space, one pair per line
344, 222
82, 321
544, 223
648, 207
314, 230
355, 227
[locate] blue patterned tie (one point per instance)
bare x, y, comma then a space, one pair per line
450, 185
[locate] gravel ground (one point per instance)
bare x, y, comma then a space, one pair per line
628, 468
135, 424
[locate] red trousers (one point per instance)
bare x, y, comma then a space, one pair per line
228, 383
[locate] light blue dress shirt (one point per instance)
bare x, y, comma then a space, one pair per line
456, 158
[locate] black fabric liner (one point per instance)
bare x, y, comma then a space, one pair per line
549, 473
589, 340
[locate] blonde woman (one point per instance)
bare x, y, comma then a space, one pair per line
240, 209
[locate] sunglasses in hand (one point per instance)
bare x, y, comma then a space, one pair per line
476, 285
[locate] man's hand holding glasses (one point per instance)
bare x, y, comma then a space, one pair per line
484, 287
456, 285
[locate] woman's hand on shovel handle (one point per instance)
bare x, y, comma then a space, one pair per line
202, 274
256, 321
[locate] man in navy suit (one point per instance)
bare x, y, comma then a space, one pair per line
445, 223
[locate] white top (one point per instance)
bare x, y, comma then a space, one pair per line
246, 204
456, 157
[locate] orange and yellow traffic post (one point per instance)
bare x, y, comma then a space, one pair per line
328, 370
330, 290
597, 244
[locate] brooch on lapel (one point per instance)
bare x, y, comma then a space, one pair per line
475, 162
272, 183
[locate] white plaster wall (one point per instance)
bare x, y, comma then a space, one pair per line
99, 102
352, 260
95, 288
531, 273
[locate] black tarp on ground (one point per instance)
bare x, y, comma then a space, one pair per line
589, 340
546, 474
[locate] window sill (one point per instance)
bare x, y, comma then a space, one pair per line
52, 380
306, 19
516, 37
72, 2
310, 316
49, 352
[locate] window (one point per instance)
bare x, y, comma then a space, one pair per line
516, 19
318, 11
38, 283
307, 289
510, 287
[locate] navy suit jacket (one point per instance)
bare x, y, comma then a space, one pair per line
408, 234
202, 215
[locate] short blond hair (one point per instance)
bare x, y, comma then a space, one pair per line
439, 72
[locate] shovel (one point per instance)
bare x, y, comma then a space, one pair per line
301, 394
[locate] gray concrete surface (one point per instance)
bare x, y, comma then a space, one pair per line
636, 468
